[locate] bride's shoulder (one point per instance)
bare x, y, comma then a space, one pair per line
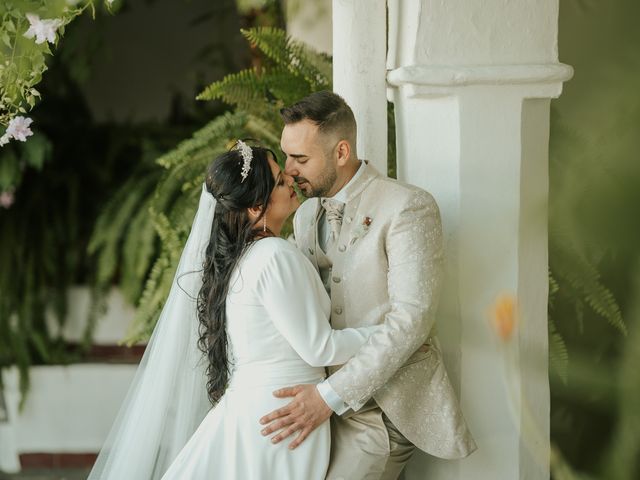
272, 255
272, 247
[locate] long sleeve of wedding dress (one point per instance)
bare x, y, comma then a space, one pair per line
298, 304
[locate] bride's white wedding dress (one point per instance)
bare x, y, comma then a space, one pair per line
279, 335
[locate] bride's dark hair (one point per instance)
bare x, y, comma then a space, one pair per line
232, 231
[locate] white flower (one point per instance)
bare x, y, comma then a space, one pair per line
43, 30
18, 128
4, 139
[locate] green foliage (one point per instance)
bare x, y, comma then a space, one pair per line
581, 281
295, 57
289, 70
22, 60
622, 461
16, 157
123, 240
37, 267
594, 238
574, 253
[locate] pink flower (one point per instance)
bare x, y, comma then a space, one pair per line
18, 128
43, 30
6, 198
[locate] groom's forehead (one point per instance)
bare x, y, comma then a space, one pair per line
298, 136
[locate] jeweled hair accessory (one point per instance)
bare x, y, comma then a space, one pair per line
247, 156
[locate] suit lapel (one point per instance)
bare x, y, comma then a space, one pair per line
368, 174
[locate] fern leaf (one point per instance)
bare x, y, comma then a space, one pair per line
558, 353
244, 89
292, 55
574, 269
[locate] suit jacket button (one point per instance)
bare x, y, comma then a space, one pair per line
336, 279
338, 310
342, 248
348, 219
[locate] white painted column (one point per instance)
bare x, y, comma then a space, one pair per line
472, 82
359, 55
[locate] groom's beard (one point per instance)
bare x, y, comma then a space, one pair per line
318, 188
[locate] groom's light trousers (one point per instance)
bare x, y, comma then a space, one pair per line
366, 446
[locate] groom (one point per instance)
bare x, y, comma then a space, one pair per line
377, 244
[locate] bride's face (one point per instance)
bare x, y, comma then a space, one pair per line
283, 201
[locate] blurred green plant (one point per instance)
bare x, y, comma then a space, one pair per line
573, 255
594, 241
593, 309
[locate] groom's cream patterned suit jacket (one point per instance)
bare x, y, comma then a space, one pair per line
387, 269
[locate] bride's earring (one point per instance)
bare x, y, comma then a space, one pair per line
264, 223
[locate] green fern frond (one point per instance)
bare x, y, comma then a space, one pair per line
205, 142
294, 56
170, 237
244, 89
297, 72
553, 285
115, 236
138, 250
558, 353
258, 128
575, 270
285, 88
151, 303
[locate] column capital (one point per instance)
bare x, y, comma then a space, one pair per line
458, 75
439, 79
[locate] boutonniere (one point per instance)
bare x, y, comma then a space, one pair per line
361, 229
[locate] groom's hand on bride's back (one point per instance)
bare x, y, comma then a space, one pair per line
303, 414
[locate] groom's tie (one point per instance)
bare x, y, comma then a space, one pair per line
334, 210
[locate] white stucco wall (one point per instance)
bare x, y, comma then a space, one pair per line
490, 32
69, 408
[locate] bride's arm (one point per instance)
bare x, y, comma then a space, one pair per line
299, 307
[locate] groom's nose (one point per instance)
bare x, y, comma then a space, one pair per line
289, 179
289, 167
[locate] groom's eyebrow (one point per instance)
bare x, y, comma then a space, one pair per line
294, 155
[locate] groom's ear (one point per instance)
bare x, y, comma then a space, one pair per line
343, 152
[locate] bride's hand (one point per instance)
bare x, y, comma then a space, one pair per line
304, 413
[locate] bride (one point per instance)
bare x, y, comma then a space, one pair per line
247, 314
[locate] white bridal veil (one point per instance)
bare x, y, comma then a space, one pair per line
167, 399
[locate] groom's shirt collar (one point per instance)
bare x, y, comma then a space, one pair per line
341, 196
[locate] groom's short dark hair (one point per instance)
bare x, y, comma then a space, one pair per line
328, 111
